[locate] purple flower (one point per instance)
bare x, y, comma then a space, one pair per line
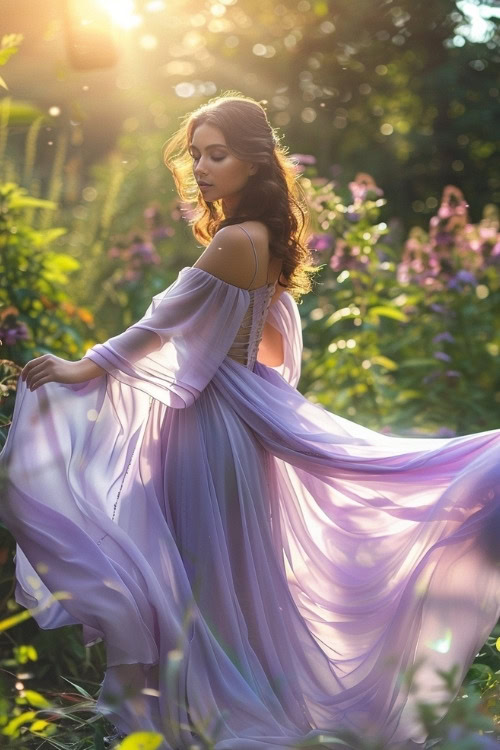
9, 336
445, 432
146, 251
445, 336
320, 242
444, 238
453, 374
305, 159
466, 277
461, 278
352, 216
442, 356
436, 307
161, 232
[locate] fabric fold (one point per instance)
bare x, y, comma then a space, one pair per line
173, 351
284, 317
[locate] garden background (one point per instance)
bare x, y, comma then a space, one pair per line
390, 109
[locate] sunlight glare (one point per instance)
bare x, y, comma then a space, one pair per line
479, 26
122, 13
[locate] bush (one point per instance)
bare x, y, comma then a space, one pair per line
403, 340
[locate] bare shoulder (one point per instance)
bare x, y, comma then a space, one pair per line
269, 267
258, 230
230, 256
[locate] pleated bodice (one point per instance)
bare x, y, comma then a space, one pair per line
246, 342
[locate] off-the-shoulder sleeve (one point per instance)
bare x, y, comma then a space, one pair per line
174, 350
284, 316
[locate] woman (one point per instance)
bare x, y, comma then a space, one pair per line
259, 568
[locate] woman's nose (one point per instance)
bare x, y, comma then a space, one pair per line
200, 162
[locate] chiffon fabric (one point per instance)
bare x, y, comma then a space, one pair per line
259, 569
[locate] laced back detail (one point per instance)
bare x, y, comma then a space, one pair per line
246, 342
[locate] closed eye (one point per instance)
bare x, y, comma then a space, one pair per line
214, 158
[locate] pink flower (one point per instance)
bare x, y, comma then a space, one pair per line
151, 212
362, 185
320, 242
131, 275
144, 250
488, 233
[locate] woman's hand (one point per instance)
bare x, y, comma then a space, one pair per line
48, 368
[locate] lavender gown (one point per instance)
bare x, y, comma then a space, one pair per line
286, 564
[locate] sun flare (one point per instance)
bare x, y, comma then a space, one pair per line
122, 13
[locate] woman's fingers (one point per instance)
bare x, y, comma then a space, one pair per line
31, 365
35, 373
37, 380
40, 381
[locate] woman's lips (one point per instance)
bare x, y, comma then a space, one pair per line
205, 187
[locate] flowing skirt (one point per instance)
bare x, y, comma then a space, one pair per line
259, 569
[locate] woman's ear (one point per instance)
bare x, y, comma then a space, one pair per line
253, 169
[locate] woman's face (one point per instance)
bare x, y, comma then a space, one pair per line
214, 164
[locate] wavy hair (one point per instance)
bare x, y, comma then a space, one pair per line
273, 195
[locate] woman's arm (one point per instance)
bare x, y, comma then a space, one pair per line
48, 368
88, 369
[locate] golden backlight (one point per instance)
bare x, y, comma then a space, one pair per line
121, 12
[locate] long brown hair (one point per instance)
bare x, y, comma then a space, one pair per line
273, 195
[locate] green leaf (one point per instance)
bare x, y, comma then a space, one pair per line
62, 262
6, 53
388, 312
418, 362
389, 364
45, 727
10, 622
46, 236
26, 201
35, 699
78, 688
11, 729
407, 394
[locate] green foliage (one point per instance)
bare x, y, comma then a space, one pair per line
9, 45
35, 315
406, 340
